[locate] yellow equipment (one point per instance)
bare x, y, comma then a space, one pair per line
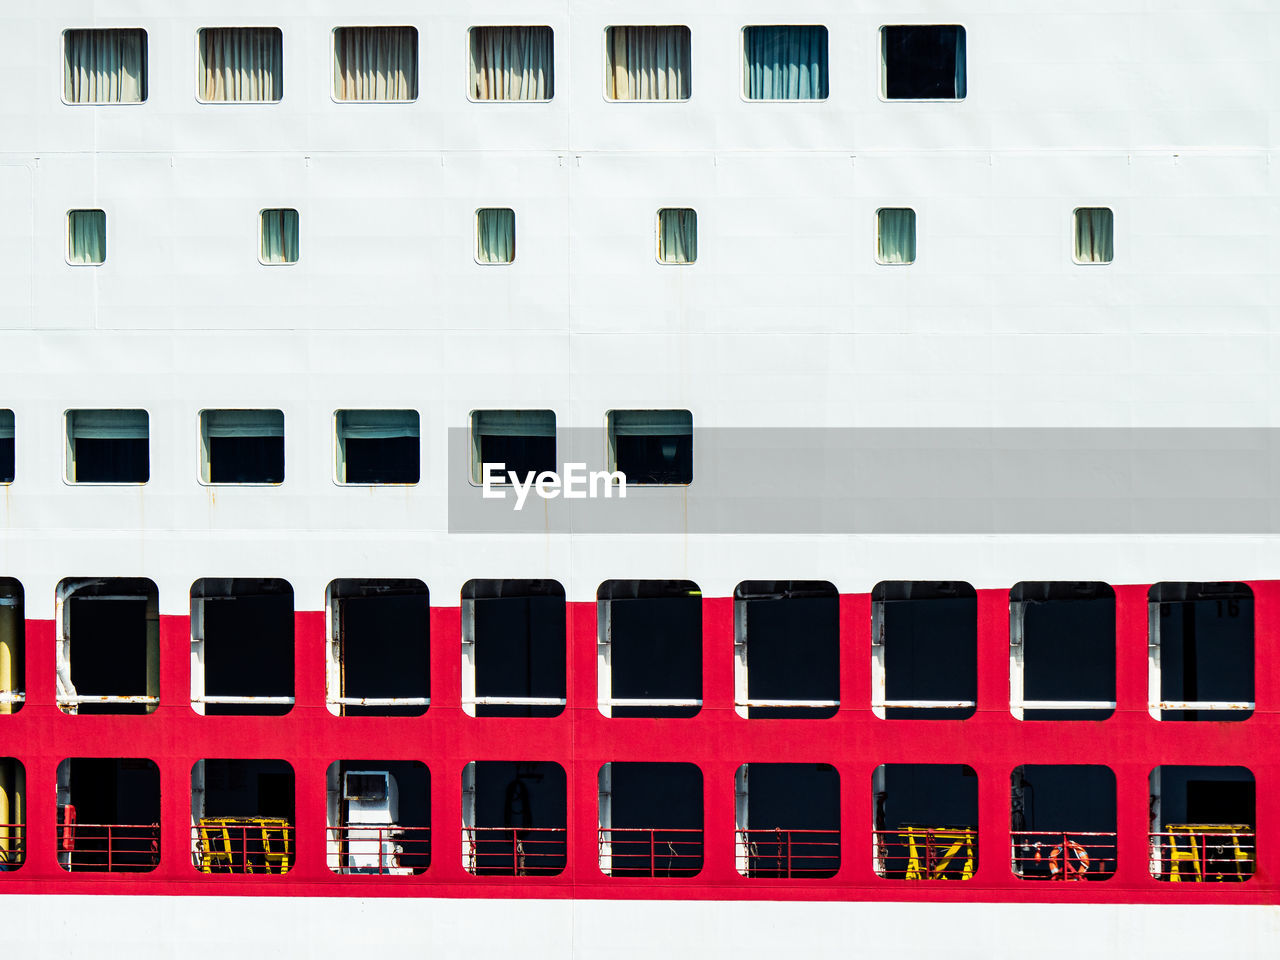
925, 862
1203, 864
244, 844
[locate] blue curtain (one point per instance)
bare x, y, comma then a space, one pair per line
786, 63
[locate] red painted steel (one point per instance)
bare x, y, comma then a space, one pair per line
779, 853
515, 852
581, 739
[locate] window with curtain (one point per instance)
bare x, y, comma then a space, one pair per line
375, 63
377, 446
923, 62
279, 236
512, 63
104, 66
677, 235
524, 441
896, 235
785, 63
86, 236
242, 446
1095, 235
243, 64
647, 63
651, 446
107, 446
495, 235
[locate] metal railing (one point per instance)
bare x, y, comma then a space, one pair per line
13, 845
1063, 855
646, 852
1204, 853
389, 850
109, 847
242, 845
515, 851
789, 854
926, 853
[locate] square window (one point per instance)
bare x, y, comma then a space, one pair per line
114, 805
242, 816
108, 650
1201, 651
379, 817
926, 821
514, 818
241, 446
512, 63
649, 648
7, 453
86, 236
377, 446
378, 661
784, 63
519, 442
647, 63
240, 64
107, 446
924, 650
651, 446
922, 62
796, 809
279, 236
677, 235
13, 828
1095, 235
1062, 650
786, 648
1063, 822
1203, 824
495, 235
104, 66
375, 64
513, 648
650, 819
13, 632
895, 235
241, 647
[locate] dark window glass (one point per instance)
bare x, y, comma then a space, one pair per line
382, 460
924, 62
113, 460
246, 459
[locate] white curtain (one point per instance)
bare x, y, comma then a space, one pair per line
105, 66
785, 63
279, 236
375, 63
108, 424
511, 63
495, 235
677, 235
86, 236
897, 235
244, 423
377, 424
647, 63
651, 423
241, 63
1095, 235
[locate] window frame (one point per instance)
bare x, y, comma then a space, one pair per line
604, 72
882, 86
66, 248
467, 59
611, 447
657, 236
417, 62
475, 475
340, 453
261, 224
68, 445
206, 461
1074, 225
238, 26
742, 47
62, 61
13, 424
915, 218
475, 231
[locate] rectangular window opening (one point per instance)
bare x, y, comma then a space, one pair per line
104, 66
926, 821
1094, 235
378, 817
108, 651
650, 648
513, 648
1062, 650
648, 63
1063, 822
278, 235
375, 64
242, 814
240, 64
13, 813
924, 650
514, 818
13, 648
242, 446
650, 819
785, 63
495, 235
512, 63
788, 820
522, 442
86, 237
677, 235
242, 647
651, 446
895, 235
1201, 651
377, 446
379, 653
1203, 824
108, 815
787, 649
8, 462
107, 446
923, 62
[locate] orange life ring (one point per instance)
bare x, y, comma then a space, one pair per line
1060, 861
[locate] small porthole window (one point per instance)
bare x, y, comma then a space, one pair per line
1095, 229
6, 447
495, 235
86, 237
279, 237
895, 235
677, 235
